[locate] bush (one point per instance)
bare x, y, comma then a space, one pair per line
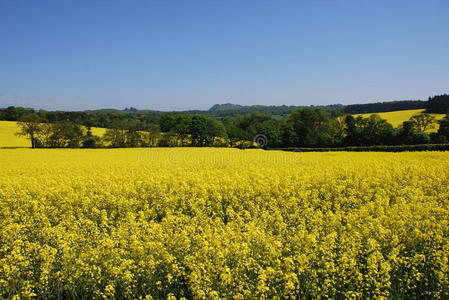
397, 148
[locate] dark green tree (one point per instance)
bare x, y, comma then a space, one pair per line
71, 133
423, 121
409, 135
182, 128
31, 125
234, 133
443, 129
310, 126
203, 130
167, 122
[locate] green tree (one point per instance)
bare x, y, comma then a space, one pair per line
368, 131
203, 130
272, 130
288, 134
409, 135
167, 122
31, 125
154, 134
116, 138
234, 133
70, 133
423, 121
182, 127
444, 127
167, 139
13, 113
91, 141
376, 131
352, 131
310, 125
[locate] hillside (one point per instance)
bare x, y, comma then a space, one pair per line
225, 106
396, 118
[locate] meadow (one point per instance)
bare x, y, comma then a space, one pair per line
211, 223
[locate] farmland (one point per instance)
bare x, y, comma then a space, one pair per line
396, 118
223, 223
8, 137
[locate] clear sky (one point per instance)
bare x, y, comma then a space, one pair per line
178, 55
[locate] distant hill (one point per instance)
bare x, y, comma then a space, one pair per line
226, 106
104, 117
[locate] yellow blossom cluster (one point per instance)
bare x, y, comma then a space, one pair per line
180, 223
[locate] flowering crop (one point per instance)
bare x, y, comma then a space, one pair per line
8, 137
396, 118
223, 223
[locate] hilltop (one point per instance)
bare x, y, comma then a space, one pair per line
225, 106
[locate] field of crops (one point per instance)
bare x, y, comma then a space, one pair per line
396, 118
223, 223
9, 139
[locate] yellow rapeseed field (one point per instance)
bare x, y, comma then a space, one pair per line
223, 223
8, 137
396, 118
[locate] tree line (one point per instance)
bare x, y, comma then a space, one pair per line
384, 106
438, 104
107, 117
305, 127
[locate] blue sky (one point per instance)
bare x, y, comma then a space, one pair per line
178, 55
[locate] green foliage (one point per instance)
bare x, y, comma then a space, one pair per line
304, 127
408, 135
312, 127
423, 121
383, 106
368, 131
91, 141
68, 133
13, 113
31, 125
438, 104
203, 130
387, 148
443, 130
